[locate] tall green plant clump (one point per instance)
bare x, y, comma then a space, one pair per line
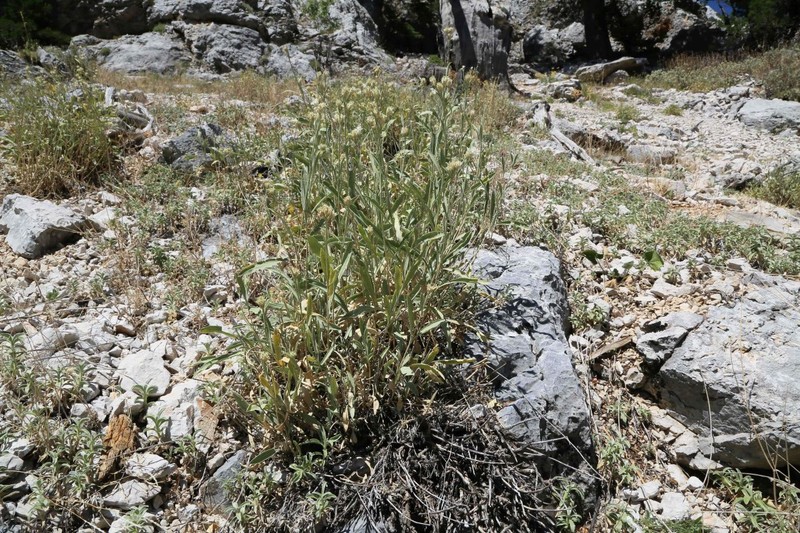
57, 137
384, 192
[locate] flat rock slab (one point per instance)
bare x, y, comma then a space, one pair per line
37, 227
214, 492
599, 72
733, 382
144, 368
155, 52
779, 226
131, 493
772, 115
528, 350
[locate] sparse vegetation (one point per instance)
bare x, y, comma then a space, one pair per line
340, 368
57, 138
780, 187
37, 400
776, 69
756, 512
628, 113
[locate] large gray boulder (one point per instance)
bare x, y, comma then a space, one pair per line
190, 151
279, 20
161, 53
543, 45
772, 115
687, 32
13, 66
733, 382
545, 406
223, 47
288, 61
36, 227
119, 17
233, 12
665, 28
357, 37
477, 36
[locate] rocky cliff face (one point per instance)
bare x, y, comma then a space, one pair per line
486, 35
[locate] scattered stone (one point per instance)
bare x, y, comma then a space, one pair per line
772, 115
81, 410
144, 368
149, 467
569, 90
129, 494
675, 507
650, 155
103, 218
677, 475
213, 493
128, 524
21, 447
657, 347
648, 491
37, 227
10, 464
190, 151
663, 289
50, 340
694, 483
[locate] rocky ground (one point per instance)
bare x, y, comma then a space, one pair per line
682, 350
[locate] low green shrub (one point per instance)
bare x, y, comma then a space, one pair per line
776, 69
36, 402
628, 113
649, 224
753, 511
382, 194
780, 187
56, 138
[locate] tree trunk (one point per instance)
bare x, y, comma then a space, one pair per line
598, 44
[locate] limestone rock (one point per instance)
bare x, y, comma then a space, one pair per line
161, 53
148, 467
528, 351
223, 47
772, 115
543, 45
143, 368
288, 61
190, 150
37, 227
131, 493
213, 493
477, 36
599, 72
675, 507
742, 364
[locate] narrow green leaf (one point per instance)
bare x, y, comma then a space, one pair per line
263, 456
